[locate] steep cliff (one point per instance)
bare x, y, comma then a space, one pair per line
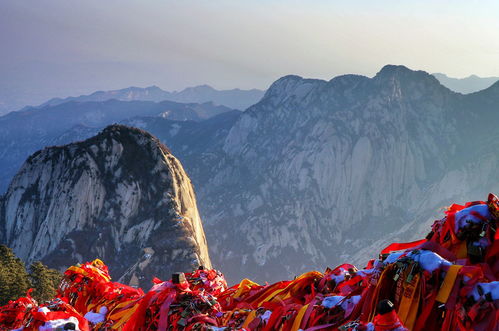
323, 171
120, 195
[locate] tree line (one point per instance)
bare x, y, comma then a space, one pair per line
16, 279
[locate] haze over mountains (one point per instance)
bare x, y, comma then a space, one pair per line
466, 85
235, 98
24, 132
315, 173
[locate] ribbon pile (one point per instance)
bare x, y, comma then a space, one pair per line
105, 304
25, 314
447, 281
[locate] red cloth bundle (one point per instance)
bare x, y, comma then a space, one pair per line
448, 281
169, 306
16, 313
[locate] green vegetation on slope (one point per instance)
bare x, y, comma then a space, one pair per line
15, 280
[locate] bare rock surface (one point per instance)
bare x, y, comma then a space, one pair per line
120, 195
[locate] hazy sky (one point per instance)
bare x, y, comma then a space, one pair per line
64, 47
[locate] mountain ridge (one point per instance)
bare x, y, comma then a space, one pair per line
232, 98
306, 148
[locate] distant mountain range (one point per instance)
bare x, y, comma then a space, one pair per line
24, 132
466, 85
315, 173
235, 98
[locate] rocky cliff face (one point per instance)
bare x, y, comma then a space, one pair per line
121, 196
318, 169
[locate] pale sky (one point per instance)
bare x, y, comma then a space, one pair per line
69, 47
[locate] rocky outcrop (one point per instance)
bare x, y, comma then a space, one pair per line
120, 196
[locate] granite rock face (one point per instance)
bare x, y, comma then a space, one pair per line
320, 172
120, 196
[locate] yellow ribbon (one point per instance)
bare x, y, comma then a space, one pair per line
448, 283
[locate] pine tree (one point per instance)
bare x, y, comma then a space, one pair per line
14, 281
44, 281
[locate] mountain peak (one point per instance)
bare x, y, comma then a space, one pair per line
289, 78
117, 130
394, 68
120, 195
154, 88
199, 88
402, 72
347, 80
403, 76
292, 85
